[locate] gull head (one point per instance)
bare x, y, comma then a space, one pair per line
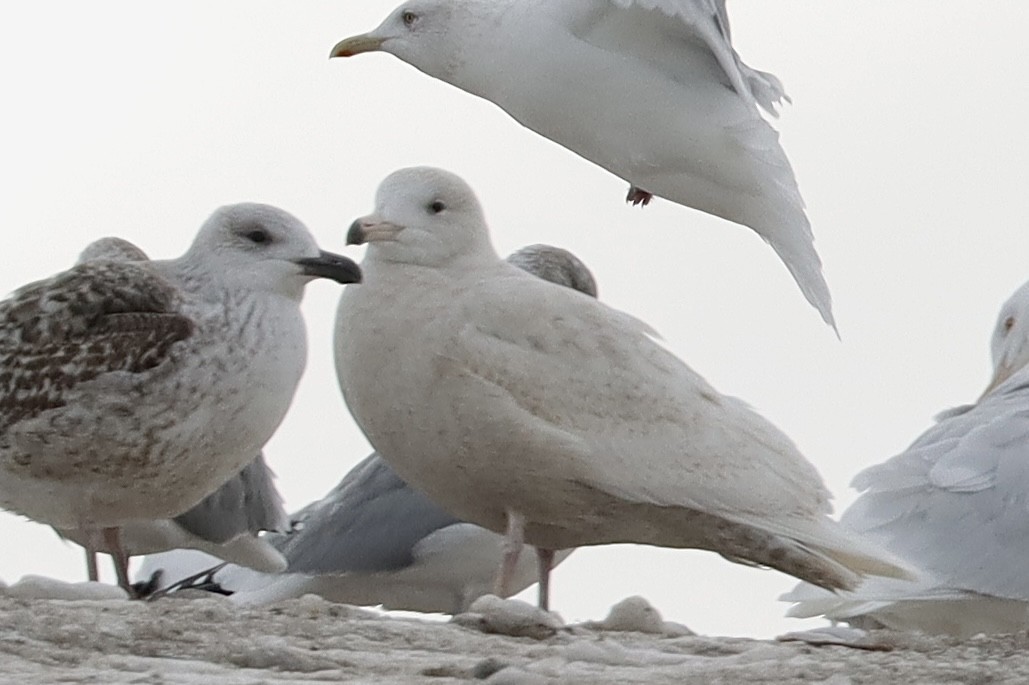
426, 34
263, 248
112, 249
555, 265
1009, 345
424, 216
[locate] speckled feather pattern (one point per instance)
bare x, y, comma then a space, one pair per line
132, 390
97, 317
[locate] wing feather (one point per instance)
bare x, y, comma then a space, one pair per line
95, 318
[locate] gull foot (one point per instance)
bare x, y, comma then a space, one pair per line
638, 196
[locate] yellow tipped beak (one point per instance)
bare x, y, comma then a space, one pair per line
355, 45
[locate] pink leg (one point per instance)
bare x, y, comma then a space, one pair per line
112, 538
638, 196
91, 569
545, 561
513, 542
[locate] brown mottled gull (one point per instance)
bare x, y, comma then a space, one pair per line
131, 390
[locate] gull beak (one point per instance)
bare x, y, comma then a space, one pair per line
371, 229
329, 265
355, 45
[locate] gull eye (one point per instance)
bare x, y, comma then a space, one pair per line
258, 236
409, 18
1009, 323
436, 207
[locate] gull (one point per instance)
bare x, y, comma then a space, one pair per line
953, 506
650, 90
227, 522
539, 412
374, 540
371, 541
131, 390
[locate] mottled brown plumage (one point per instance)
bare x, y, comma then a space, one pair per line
95, 318
131, 389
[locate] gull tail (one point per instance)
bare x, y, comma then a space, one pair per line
799, 256
775, 211
822, 553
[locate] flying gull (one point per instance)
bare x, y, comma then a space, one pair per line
374, 540
953, 505
651, 90
131, 390
543, 414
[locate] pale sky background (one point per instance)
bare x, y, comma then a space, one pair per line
906, 131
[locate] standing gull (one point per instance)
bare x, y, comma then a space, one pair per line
651, 90
536, 411
227, 522
953, 505
132, 390
375, 540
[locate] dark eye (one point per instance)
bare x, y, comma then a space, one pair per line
1008, 323
436, 207
258, 236
409, 18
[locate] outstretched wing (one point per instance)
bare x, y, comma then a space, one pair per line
706, 22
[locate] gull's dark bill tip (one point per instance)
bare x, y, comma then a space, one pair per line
330, 265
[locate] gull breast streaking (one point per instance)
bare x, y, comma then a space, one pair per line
537, 411
651, 90
953, 505
131, 390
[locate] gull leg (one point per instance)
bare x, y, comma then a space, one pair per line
513, 542
91, 570
638, 196
545, 562
112, 538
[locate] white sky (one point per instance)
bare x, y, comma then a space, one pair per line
138, 119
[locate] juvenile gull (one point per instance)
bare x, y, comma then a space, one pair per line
226, 523
132, 390
374, 540
530, 409
953, 505
651, 90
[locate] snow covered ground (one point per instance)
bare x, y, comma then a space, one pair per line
211, 641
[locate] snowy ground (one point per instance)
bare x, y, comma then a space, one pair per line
210, 640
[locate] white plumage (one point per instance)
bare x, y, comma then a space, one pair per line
651, 90
955, 504
525, 407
